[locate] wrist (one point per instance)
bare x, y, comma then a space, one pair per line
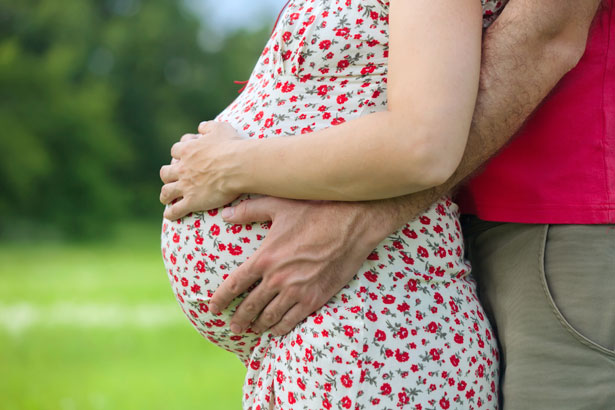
238, 174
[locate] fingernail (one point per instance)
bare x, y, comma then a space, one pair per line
228, 212
235, 329
213, 308
202, 124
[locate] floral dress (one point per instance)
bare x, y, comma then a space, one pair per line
408, 331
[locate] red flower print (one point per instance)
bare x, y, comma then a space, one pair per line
301, 384
401, 356
380, 336
402, 333
444, 403
184, 282
432, 327
176, 238
404, 307
234, 249
236, 228
325, 44
341, 99
370, 276
385, 389
461, 386
388, 299
342, 64
269, 123
323, 90
425, 220
458, 338
259, 116
342, 32
410, 234
346, 381
422, 252
438, 298
214, 230
346, 402
371, 316
454, 360
286, 36
288, 87
403, 398
373, 256
412, 285
291, 398
435, 355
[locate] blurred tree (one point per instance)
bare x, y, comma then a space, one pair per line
93, 94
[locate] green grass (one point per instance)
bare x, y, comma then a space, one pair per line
52, 363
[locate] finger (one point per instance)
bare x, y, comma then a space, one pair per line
188, 137
177, 210
170, 192
292, 318
174, 161
251, 210
203, 127
272, 313
177, 149
168, 173
250, 307
234, 285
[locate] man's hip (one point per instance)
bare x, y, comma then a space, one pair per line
550, 292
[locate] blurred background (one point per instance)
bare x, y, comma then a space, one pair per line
93, 95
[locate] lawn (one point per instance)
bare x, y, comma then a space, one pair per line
95, 326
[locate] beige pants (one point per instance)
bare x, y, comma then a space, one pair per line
550, 291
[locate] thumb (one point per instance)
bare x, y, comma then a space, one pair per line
250, 210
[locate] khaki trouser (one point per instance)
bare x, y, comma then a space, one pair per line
550, 292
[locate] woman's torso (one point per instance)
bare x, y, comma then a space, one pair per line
324, 64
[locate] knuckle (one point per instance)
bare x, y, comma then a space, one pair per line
233, 286
263, 262
249, 307
185, 137
268, 318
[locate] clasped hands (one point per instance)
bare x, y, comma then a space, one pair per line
312, 250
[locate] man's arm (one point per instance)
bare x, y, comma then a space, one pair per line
525, 53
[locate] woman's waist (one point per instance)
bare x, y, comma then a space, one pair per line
430, 244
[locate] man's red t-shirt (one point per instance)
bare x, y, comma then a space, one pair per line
560, 169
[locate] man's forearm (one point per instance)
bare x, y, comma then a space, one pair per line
526, 52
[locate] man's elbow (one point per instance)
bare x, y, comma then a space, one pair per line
567, 48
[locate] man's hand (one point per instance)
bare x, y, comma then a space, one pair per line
312, 250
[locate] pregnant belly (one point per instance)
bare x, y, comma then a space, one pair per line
199, 247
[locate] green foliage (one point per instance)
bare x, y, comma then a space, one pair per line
93, 94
